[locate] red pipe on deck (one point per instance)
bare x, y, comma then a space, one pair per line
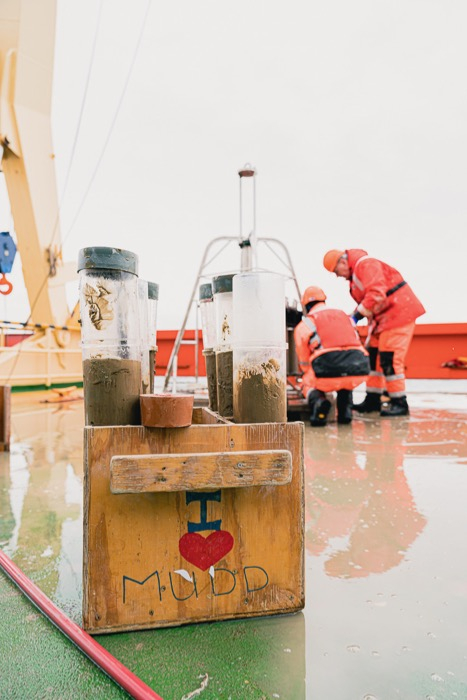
94, 651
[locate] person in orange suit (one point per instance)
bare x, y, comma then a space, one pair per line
331, 357
391, 307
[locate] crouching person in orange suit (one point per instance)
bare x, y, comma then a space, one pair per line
331, 357
391, 307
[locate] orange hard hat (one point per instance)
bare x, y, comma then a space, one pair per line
312, 294
331, 259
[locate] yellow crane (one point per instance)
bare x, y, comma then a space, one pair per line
51, 355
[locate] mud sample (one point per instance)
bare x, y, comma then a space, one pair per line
152, 369
211, 374
260, 394
224, 368
145, 375
111, 391
225, 330
144, 387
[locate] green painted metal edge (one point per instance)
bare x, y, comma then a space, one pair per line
44, 387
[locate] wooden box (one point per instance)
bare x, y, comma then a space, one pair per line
192, 524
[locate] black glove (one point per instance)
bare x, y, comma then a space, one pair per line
356, 316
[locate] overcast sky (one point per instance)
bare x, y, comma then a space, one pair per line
354, 113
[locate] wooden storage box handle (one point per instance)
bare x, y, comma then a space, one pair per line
195, 471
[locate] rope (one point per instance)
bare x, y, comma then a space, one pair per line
80, 119
119, 104
112, 125
26, 325
57, 219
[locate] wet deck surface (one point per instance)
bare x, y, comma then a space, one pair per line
386, 569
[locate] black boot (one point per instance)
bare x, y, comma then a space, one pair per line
371, 402
344, 406
319, 408
397, 406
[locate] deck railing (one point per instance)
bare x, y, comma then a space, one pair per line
26, 360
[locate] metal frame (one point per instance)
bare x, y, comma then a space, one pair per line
201, 273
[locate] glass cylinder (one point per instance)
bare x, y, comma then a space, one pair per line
208, 326
259, 309
208, 316
211, 377
223, 303
260, 384
153, 298
110, 335
292, 318
144, 334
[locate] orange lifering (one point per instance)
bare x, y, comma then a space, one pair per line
5, 283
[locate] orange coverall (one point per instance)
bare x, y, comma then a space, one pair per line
391, 306
329, 351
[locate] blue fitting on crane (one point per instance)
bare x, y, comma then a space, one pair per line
7, 252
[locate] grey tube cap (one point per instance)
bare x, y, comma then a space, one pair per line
153, 290
222, 284
102, 258
205, 291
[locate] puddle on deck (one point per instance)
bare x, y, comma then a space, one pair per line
386, 556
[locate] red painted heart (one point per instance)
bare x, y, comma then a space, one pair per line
204, 552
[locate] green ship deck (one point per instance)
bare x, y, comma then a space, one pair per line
385, 570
